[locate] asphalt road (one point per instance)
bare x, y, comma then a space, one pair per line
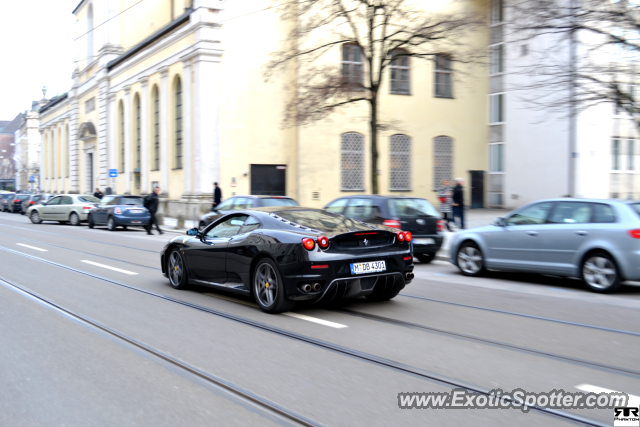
92, 334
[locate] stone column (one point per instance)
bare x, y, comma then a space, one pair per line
186, 129
56, 153
127, 139
113, 138
101, 150
206, 123
64, 154
144, 136
164, 130
43, 164
74, 146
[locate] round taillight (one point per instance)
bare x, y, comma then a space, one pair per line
400, 235
407, 236
323, 242
308, 243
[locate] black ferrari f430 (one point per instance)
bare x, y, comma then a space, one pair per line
283, 255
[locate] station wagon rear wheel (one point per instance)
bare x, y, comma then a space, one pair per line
600, 273
74, 219
470, 260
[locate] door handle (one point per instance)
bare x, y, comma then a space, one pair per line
532, 233
582, 233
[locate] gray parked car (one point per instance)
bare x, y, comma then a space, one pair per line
71, 208
595, 240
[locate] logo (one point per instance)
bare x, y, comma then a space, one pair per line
366, 242
628, 416
421, 221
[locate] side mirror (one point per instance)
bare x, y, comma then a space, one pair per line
500, 222
193, 232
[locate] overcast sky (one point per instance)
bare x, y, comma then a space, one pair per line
36, 39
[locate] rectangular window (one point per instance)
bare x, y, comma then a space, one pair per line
496, 108
496, 158
443, 87
615, 155
400, 74
497, 59
497, 11
90, 105
631, 165
352, 66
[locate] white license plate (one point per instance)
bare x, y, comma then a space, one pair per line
136, 210
426, 241
136, 222
368, 267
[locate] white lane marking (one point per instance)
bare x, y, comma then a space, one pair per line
109, 267
633, 400
32, 247
315, 320
237, 301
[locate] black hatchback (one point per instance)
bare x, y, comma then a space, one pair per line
236, 203
411, 214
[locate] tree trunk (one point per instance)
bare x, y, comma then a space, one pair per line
374, 144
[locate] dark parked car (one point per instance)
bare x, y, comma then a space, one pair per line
15, 205
236, 203
5, 199
119, 211
281, 255
33, 199
407, 213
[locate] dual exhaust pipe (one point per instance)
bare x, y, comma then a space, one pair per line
409, 275
307, 287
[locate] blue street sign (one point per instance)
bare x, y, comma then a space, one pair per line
32, 178
113, 173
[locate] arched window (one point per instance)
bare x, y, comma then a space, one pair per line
136, 104
90, 34
178, 123
121, 108
442, 160
400, 76
352, 151
352, 66
156, 129
400, 163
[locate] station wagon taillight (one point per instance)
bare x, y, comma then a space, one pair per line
440, 225
635, 233
391, 223
87, 207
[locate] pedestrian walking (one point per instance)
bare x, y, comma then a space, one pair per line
217, 195
458, 202
444, 195
151, 202
98, 194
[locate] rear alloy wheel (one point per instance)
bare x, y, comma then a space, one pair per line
74, 219
268, 288
90, 223
35, 217
177, 270
470, 260
111, 224
600, 273
425, 258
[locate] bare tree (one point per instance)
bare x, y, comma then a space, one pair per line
372, 35
602, 38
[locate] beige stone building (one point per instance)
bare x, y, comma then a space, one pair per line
171, 93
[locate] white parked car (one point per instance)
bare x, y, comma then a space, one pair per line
71, 208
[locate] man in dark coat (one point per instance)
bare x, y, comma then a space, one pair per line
151, 202
458, 202
98, 194
217, 195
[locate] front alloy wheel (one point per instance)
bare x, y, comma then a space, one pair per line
111, 224
177, 270
35, 217
470, 260
268, 288
600, 273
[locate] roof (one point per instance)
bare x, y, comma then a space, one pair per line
53, 101
3, 123
13, 125
151, 39
262, 196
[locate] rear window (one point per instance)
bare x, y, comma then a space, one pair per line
22, 197
88, 199
138, 201
411, 207
279, 201
635, 207
322, 220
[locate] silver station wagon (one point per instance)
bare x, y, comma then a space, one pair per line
595, 240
